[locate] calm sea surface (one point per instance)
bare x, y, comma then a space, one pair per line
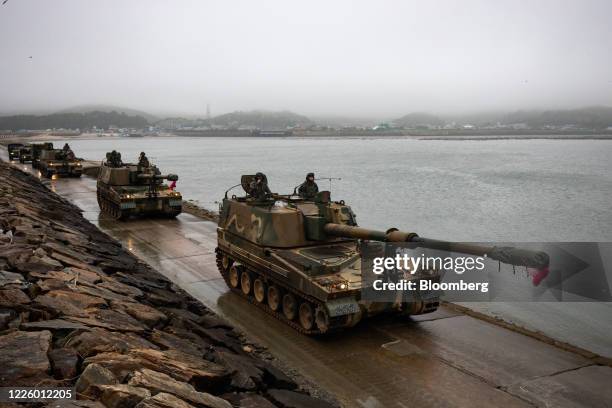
496, 190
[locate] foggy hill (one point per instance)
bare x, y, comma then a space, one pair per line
595, 117
109, 108
418, 119
260, 119
72, 121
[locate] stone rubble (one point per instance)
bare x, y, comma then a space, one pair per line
77, 310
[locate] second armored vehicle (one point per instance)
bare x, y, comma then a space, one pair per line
126, 189
58, 162
36, 150
301, 260
25, 154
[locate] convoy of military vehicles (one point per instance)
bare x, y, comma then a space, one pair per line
296, 256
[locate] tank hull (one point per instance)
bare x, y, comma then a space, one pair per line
332, 310
111, 203
65, 170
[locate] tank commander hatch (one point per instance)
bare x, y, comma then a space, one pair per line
143, 161
308, 189
258, 188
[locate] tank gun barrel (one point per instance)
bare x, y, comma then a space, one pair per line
509, 255
170, 177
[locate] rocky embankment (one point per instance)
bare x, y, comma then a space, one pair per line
77, 310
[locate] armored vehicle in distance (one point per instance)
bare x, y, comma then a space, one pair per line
37, 149
58, 162
126, 189
25, 154
300, 260
13, 150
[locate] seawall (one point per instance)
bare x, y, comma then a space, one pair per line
78, 310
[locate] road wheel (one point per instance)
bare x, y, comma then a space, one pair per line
307, 316
259, 290
246, 282
226, 262
274, 298
322, 319
289, 306
234, 276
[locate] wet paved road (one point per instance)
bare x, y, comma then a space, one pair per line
445, 359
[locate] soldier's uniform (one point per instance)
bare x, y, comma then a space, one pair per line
143, 161
309, 188
114, 159
259, 189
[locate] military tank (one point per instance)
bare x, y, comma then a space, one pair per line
36, 150
126, 189
25, 154
60, 163
300, 260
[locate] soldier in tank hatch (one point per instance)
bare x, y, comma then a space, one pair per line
259, 187
143, 161
308, 189
114, 159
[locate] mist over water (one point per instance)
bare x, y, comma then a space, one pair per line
515, 190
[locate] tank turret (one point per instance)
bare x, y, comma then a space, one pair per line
301, 260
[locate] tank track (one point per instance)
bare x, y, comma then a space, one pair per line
264, 306
110, 208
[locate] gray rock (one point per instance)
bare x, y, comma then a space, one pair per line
13, 298
54, 324
143, 313
255, 401
23, 355
98, 340
94, 375
160, 382
64, 363
163, 400
122, 395
74, 404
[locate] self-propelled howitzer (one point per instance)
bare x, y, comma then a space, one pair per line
300, 260
126, 189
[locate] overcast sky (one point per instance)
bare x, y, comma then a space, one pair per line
357, 58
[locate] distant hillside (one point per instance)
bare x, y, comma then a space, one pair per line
72, 121
109, 108
260, 119
596, 117
417, 119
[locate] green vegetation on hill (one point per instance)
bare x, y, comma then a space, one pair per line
260, 119
72, 121
109, 108
597, 117
417, 119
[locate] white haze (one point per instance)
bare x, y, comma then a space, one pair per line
360, 58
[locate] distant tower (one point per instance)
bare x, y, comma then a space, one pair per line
208, 111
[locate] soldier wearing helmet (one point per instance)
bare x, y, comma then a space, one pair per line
143, 161
308, 189
258, 188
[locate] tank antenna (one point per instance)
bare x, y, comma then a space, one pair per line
330, 180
